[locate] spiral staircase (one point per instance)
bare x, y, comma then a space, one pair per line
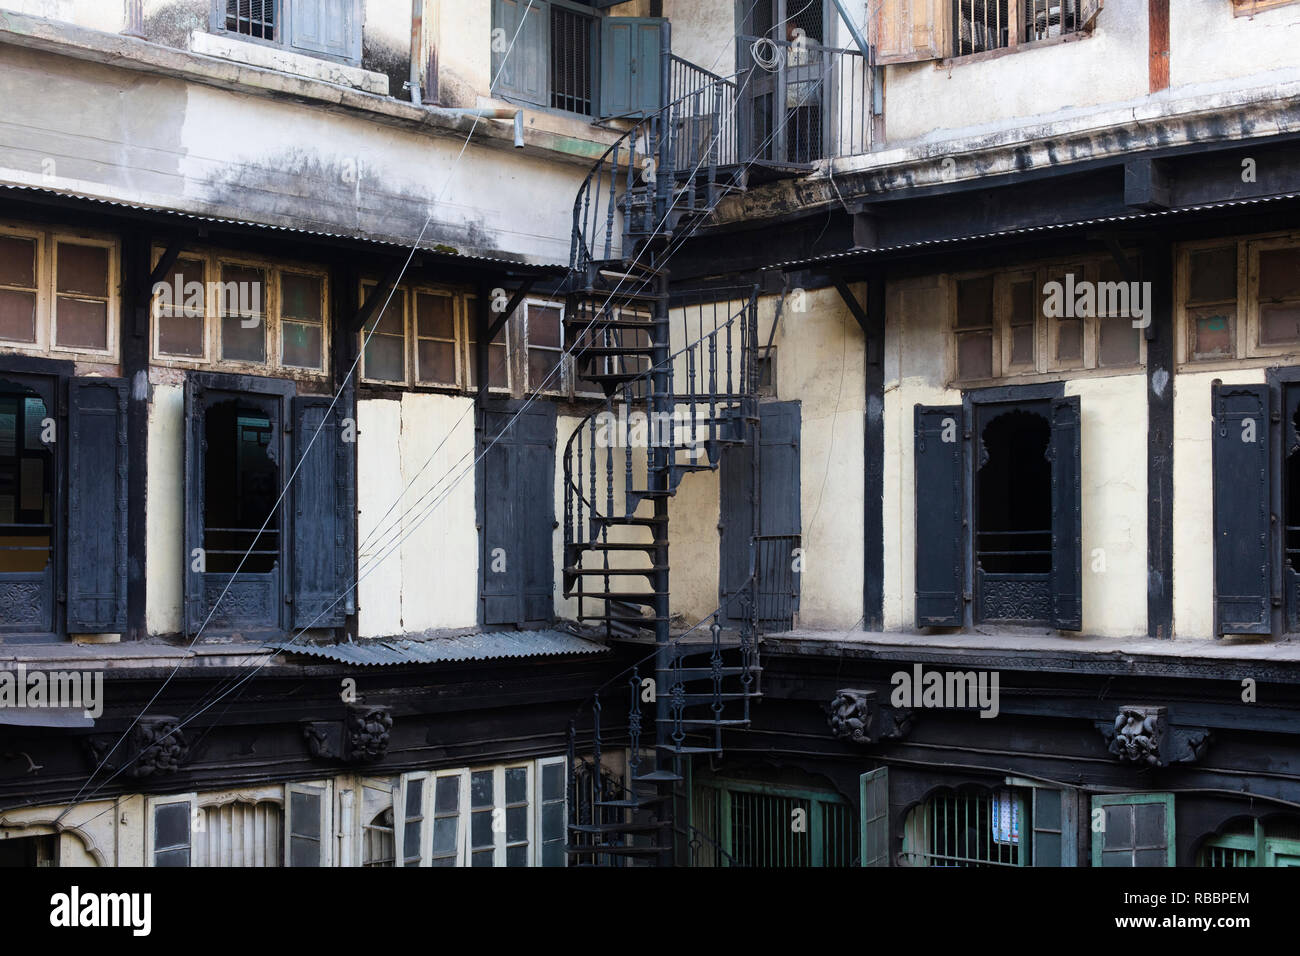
678, 374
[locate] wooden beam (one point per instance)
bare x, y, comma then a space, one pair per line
1158, 268
1147, 184
851, 301
873, 452
1158, 44
499, 322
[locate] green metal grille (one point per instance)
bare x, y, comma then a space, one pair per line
968, 828
747, 824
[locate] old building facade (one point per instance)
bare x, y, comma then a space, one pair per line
881, 453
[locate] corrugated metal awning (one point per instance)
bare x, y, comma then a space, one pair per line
851, 255
494, 645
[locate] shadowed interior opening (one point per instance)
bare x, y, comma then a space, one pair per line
1013, 496
241, 485
26, 481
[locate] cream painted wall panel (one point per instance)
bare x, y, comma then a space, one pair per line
439, 566
1194, 498
379, 485
914, 374
693, 528
1242, 46
165, 516
1114, 503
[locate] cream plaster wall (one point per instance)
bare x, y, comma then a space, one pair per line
165, 514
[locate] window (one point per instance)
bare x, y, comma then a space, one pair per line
264, 826
167, 834
1025, 545
214, 309
438, 324
257, 559
40, 850
1070, 316
908, 31
743, 823
543, 330
330, 29
1248, 8
240, 833
58, 293
1253, 842
565, 56
1137, 829
307, 825
970, 827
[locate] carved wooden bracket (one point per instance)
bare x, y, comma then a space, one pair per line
1142, 734
859, 717
361, 736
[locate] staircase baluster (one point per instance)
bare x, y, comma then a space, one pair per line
609, 217
627, 446
634, 725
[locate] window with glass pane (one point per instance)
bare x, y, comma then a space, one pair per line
384, 338
516, 816
1279, 296
975, 328
414, 823
171, 834
1068, 330
482, 803
379, 843
498, 355
545, 347
446, 821
302, 320
81, 282
435, 338
1212, 302
241, 304
305, 806
1021, 323
18, 289
1118, 339
552, 817
180, 317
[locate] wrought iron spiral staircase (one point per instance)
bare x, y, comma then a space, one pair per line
678, 372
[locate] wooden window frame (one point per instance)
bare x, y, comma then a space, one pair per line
152, 804
538, 857
457, 342
1014, 42
325, 790
211, 359
509, 339
402, 292
1253, 347
1103, 800
564, 386
47, 243
1248, 8
283, 25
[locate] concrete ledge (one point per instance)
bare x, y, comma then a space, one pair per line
285, 61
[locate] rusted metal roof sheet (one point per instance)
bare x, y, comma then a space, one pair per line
854, 254
494, 645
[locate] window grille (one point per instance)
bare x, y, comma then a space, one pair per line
981, 25
974, 827
572, 61
252, 18
1045, 19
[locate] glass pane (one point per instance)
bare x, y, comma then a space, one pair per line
975, 303
81, 324
1116, 858
1279, 273
447, 795
975, 355
1119, 342
82, 269
390, 321
17, 316
553, 821
435, 316
243, 344
414, 797
542, 373
305, 808
480, 788
480, 829
544, 326
517, 855
180, 335
1022, 303
1150, 858
180, 857
171, 825
437, 361
482, 859
553, 781
517, 785
1212, 334
304, 852
1212, 275
1069, 341
553, 854
1022, 345
1279, 324
411, 844
384, 358
445, 861
444, 836
18, 261
1119, 827
516, 824
300, 296
301, 345
1150, 824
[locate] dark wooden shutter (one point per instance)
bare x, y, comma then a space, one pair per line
736, 522
97, 505
525, 74
779, 518
940, 515
1067, 528
518, 514
1050, 826
329, 27
874, 807
631, 65
194, 455
1242, 569
323, 515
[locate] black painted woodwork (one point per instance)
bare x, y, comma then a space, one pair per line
940, 515
1242, 553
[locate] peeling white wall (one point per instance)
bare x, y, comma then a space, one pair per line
165, 513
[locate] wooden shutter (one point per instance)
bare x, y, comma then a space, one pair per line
874, 793
736, 525
97, 505
518, 514
328, 27
1054, 821
1242, 565
193, 513
778, 502
1136, 829
525, 74
306, 825
940, 515
906, 31
1067, 528
631, 65
323, 516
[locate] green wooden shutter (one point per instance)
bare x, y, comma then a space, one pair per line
1242, 569
1133, 829
1054, 815
328, 27
940, 464
874, 807
525, 74
1067, 529
631, 65
97, 506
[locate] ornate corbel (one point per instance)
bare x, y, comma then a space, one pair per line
859, 717
1142, 734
